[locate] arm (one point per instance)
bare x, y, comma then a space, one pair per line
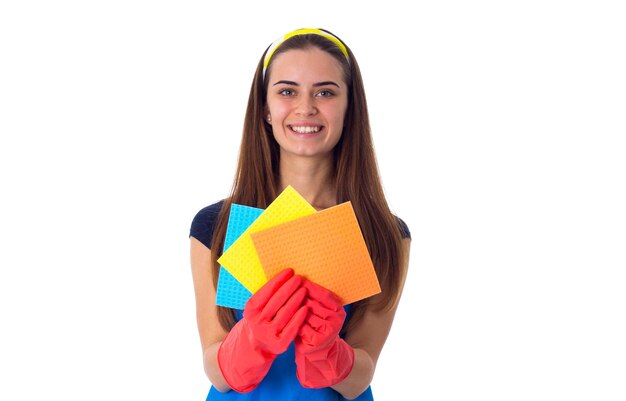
211, 332
367, 340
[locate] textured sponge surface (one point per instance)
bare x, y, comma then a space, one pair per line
230, 292
326, 247
241, 259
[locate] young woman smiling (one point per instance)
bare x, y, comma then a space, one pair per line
307, 126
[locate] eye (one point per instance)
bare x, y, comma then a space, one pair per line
325, 93
285, 92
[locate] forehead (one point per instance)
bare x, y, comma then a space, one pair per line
305, 66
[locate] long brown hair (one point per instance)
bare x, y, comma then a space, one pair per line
356, 176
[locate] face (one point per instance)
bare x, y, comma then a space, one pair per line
307, 100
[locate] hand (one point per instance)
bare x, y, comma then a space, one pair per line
324, 320
322, 358
275, 312
271, 320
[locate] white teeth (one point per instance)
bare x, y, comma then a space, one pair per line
305, 130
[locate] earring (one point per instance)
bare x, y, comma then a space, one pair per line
269, 119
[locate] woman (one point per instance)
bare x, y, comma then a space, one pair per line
306, 126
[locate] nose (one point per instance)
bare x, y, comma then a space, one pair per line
306, 106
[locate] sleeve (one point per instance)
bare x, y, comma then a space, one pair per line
203, 223
404, 229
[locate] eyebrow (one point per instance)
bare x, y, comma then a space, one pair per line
323, 83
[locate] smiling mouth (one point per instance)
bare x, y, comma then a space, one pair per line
306, 129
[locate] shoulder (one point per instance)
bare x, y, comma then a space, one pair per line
404, 229
203, 223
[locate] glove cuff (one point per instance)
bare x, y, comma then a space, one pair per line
325, 367
242, 363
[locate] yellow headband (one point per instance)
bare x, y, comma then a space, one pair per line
303, 31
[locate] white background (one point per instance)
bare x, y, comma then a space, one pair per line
499, 128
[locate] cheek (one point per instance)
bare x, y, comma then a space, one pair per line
340, 110
339, 118
276, 109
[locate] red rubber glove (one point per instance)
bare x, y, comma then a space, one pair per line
322, 358
271, 320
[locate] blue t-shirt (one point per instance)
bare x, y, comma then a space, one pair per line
281, 382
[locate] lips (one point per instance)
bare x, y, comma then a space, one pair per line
306, 129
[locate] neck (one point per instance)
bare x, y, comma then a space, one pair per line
312, 178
